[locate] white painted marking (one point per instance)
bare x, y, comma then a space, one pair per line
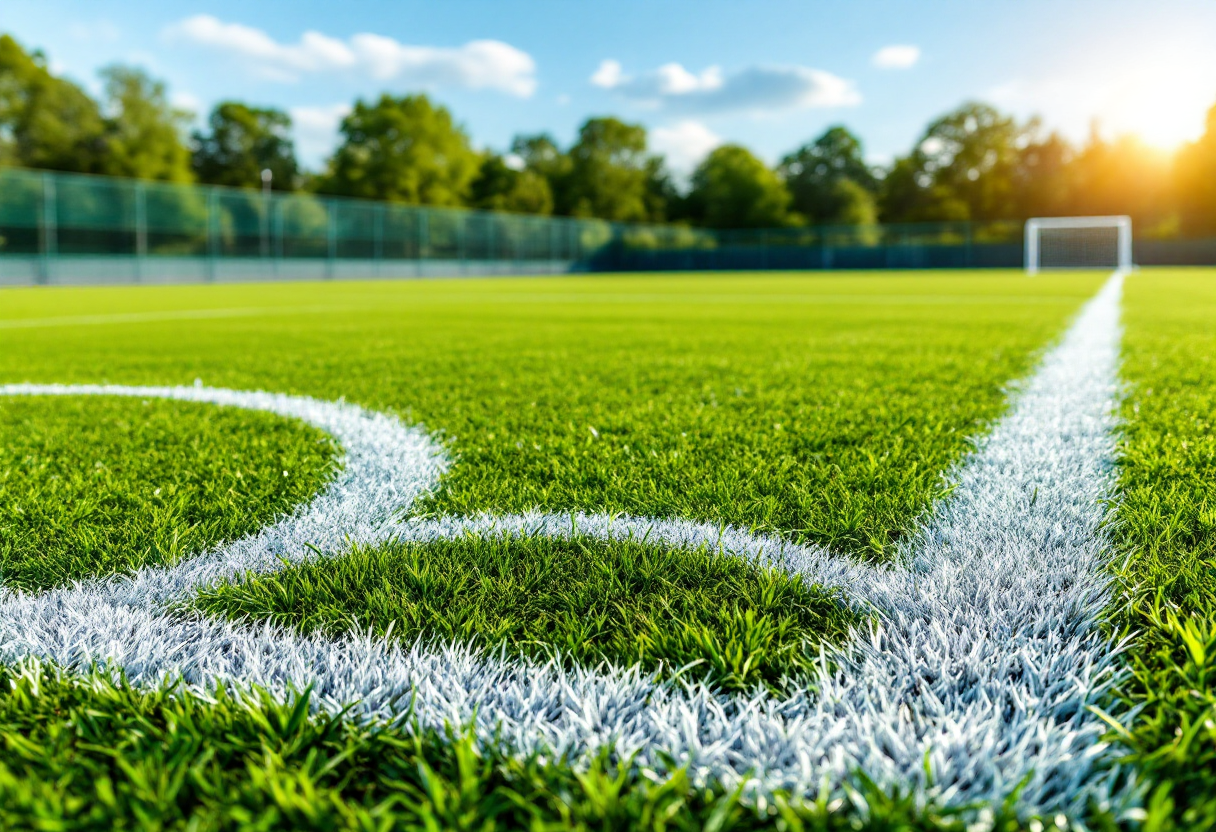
983, 662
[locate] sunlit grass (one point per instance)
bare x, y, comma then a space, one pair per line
1167, 530
92, 754
823, 407
95, 485
697, 612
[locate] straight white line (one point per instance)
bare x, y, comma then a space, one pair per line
983, 661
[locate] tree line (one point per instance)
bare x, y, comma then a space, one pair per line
974, 163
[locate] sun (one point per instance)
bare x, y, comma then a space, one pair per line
1161, 97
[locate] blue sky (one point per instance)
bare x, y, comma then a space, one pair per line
770, 74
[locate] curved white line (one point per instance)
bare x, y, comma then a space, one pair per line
983, 663
385, 468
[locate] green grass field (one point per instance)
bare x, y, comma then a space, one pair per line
824, 408
91, 487
584, 601
1167, 529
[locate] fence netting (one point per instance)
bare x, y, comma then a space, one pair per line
50, 216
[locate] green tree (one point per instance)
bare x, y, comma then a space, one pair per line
853, 203
663, 200
963, 167
734, 189
1123, 176
499, 187
910, 194
241, 142
1195, 181
610, 173
815, 175
45, 122
143, 130
540, 154
542, 157
402, 149
1044, 177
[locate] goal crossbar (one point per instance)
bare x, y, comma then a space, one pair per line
1122, 249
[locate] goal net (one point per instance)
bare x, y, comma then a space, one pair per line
1078, 243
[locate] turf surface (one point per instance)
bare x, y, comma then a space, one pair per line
696, 612
825, 407
102, 485
1167, 529
87, 754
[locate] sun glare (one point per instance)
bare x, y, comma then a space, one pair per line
1161, 98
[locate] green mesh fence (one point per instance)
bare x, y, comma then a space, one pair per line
65, 214
48, 219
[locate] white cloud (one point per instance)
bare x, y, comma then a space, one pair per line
319, 118
896, 56
183, 100
684, 144
758, 89
315, 130
314, 53
673, 79
479, 64
608, 75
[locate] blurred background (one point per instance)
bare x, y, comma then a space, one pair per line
702, 121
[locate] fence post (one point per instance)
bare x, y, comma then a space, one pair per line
277, 230
378, 238
48, 228
490, 244
510, 239
213, 235
423, 238
141, 229
264, 217
332, 233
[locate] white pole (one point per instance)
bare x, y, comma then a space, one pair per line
1125, 243
1032, 247
267, 176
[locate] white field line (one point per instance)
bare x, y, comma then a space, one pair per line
983, 663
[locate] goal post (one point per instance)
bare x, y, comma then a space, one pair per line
1078, 243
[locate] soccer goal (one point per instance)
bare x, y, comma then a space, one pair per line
1078, 243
